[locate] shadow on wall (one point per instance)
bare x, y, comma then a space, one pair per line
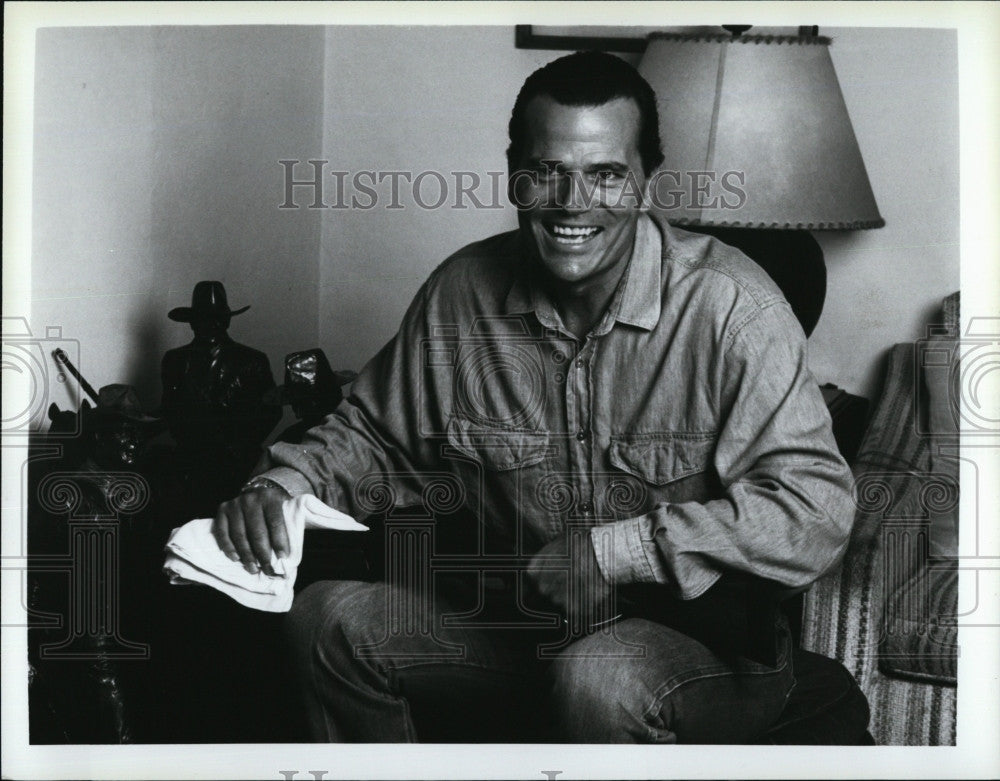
142, 370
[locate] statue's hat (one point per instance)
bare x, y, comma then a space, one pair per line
207, 300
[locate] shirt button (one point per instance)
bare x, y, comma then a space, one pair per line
581, 435
586, 508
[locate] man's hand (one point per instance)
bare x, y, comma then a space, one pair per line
250, 526
565, 577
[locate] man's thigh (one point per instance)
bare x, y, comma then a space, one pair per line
460, 681
674, 690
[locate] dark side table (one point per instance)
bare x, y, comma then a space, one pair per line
850, 418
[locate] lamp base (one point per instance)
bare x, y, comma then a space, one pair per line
792, 258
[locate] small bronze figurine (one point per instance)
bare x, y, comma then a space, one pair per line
312, 388
113, 435
214, 394
122, 430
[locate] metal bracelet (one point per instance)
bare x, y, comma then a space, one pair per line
263, 482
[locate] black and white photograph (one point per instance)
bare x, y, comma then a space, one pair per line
544, 390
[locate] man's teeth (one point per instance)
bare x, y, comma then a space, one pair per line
573, 235
564, 230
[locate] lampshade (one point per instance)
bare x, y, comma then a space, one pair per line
765, 118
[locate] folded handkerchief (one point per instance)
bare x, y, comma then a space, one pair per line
193, 556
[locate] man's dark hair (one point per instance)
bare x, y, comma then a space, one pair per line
588, 79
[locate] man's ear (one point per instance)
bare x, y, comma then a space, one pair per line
511, 183
647, 200
634, 195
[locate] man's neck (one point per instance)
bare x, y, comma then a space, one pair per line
581, 306
580, 309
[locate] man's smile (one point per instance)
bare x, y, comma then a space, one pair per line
572, 234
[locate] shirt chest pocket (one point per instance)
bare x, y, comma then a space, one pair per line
504, 472
672, 467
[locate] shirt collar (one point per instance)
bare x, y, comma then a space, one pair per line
636, 303
640, 303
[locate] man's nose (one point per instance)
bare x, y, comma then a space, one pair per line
573, 194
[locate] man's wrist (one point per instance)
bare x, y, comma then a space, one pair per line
291, 481
256, 483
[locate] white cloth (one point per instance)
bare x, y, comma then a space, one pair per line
193, 556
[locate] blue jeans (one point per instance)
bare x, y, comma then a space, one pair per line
376, 663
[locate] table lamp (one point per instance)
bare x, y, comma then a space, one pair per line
759, 150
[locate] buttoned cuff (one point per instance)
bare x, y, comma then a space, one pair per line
292, 481
626, 552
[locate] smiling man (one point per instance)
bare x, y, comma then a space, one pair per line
578, 220
628, 460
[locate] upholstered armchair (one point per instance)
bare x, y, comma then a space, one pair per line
889, 612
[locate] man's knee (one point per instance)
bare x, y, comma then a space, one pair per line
597, 697
344, 622
673, 690
329, 620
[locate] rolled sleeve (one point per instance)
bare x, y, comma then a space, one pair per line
627, 553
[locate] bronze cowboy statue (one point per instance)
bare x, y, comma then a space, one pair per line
214, 396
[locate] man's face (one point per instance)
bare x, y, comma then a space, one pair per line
580, 193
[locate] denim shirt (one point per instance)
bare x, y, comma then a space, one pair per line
685, 432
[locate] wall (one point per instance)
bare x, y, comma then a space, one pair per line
391, 105
409, 99
155, 166
901, 89
156, 156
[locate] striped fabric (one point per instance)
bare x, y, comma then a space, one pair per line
844, 614
921, 639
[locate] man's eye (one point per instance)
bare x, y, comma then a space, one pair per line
607, 176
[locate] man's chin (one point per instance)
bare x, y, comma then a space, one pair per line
556, 255
566, 267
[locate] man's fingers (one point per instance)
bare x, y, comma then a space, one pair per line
252, 526
258, 534
220, 530
238, 534
274, 517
